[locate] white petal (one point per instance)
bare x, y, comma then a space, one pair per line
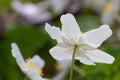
17, 55
100, 56
66, 41
59, 6
60, 53
69, 26
60, 75
108, 18
86, 47
54, 32
64, 64
37, 59
33, 75
17, 5
97, 36
84, 59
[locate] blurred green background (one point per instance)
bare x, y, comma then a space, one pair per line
32, 39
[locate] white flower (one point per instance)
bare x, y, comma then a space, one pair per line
95, 5
70, 36
59, 6
31, 67
110, 11
63, 66
34, 13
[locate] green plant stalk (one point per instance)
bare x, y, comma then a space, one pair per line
80, 71
72, 65
117, 18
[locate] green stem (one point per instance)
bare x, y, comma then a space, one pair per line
80, 71
72, 65
117, 18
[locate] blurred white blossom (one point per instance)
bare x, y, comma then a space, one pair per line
74, 6
86, 44
110, 11
63, 65
96, 5
59, 5
45, 10
34, 13
31, 67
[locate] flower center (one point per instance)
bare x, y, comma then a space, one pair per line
30, 65
107, 7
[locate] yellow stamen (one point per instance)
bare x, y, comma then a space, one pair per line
30, 65
107, 7
33, 66
57, 67
41, 72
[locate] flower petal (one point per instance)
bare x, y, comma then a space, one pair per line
86, 47
69, 26
17, 55
64, 65
37, 59
33, 75
60, 53
54, 32
97, 36
85, 60
108, 18
100, 56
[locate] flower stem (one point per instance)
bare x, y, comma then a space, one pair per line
80, 71
117, 18
72, 65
